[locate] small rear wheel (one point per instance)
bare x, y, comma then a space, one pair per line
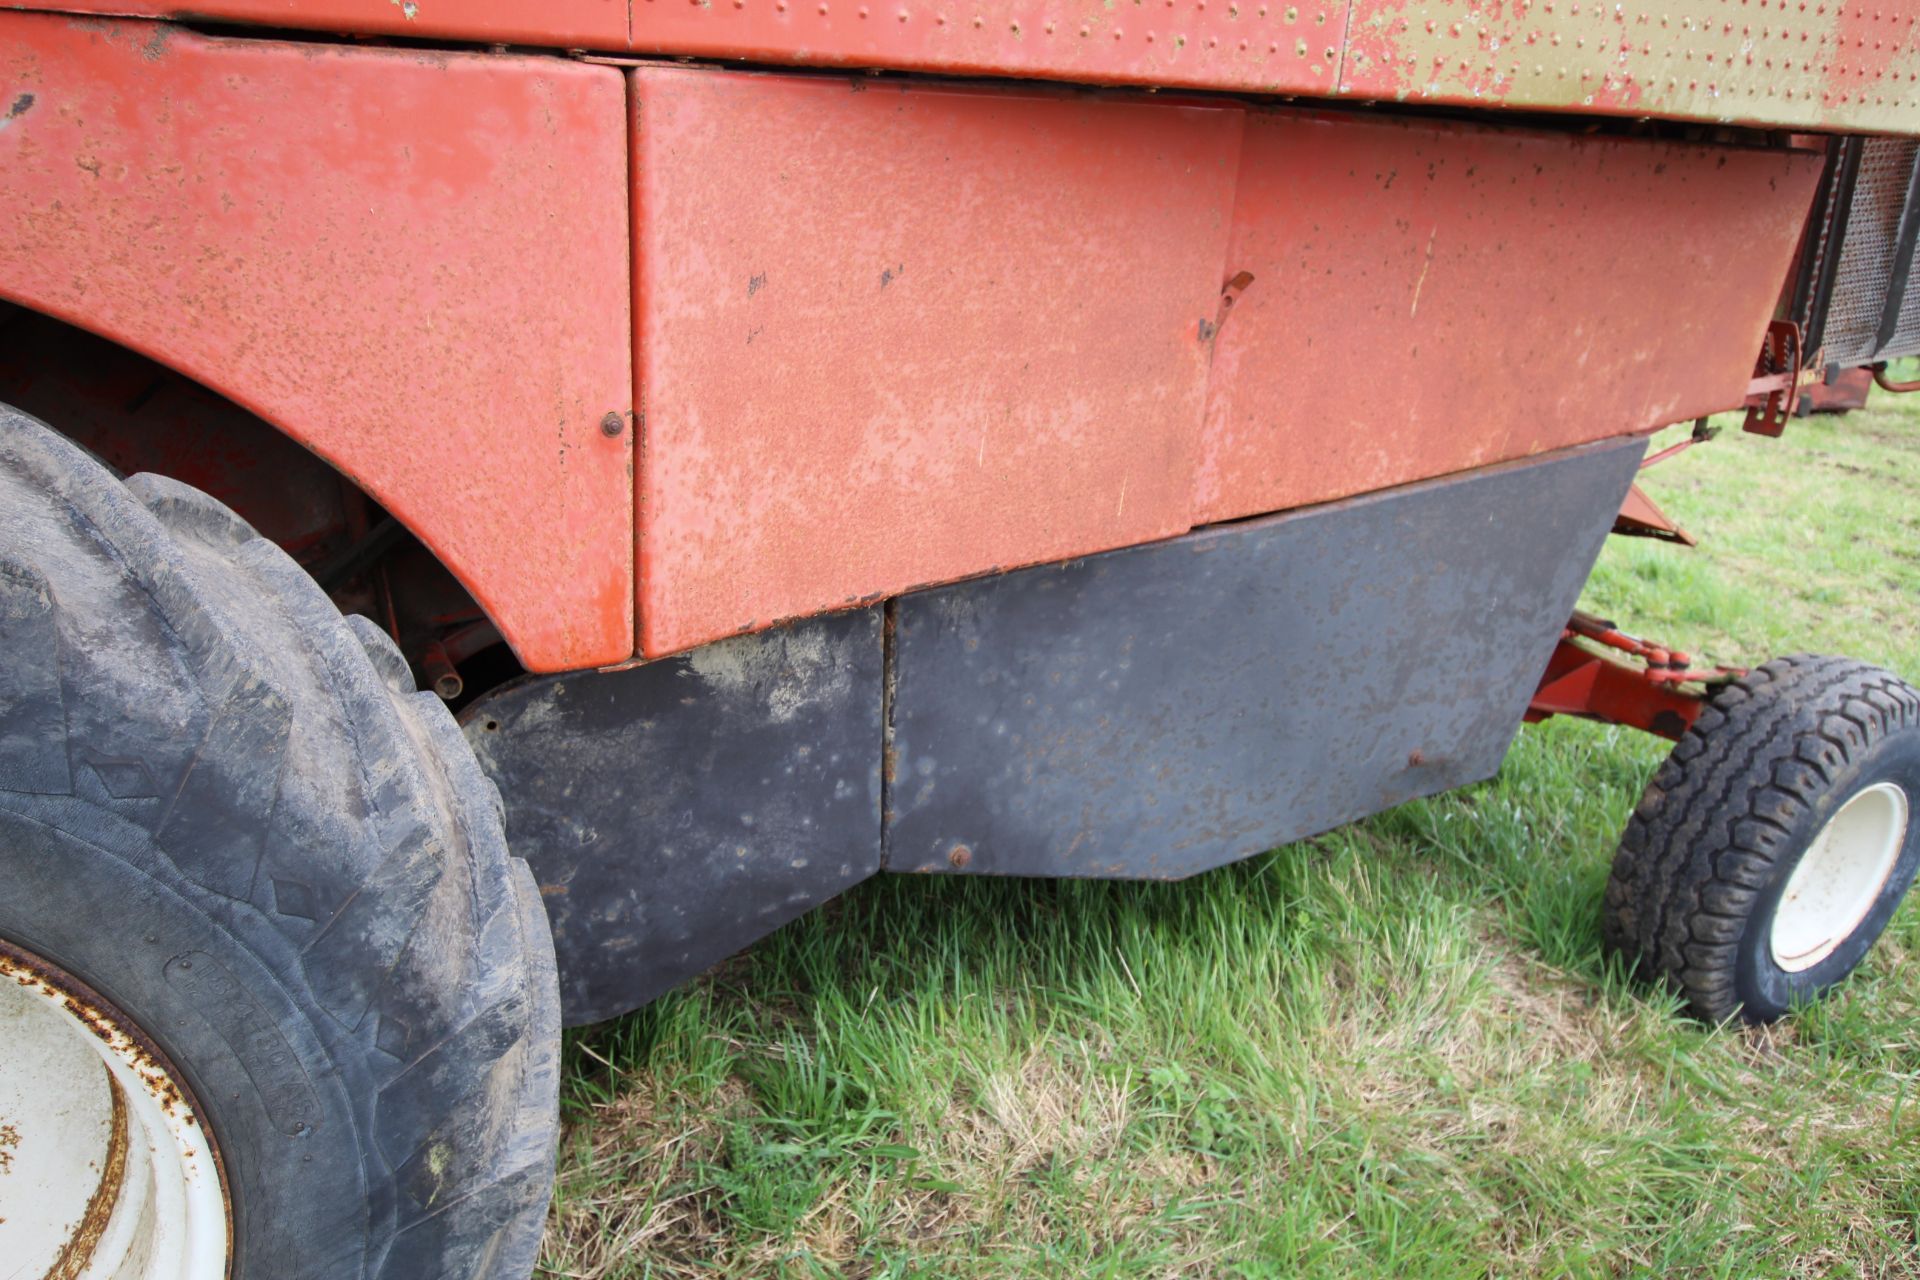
1774, 845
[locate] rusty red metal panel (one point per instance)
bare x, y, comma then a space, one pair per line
413, 263
1268, 46
585, 24
1780, 63
892, 335
1428, 297
1775, 63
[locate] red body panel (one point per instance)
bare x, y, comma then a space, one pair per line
1775, 63
563, 24
1274, 46
1430, 297
891, 336
884, 335
413, 263
1285, 46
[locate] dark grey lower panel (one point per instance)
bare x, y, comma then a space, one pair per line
1148, 712
1159, 710
676, 812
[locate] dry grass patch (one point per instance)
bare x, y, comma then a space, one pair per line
631, 1184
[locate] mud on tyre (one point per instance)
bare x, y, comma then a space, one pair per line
225, 808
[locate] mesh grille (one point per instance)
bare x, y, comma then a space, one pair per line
1906, 338
1866, 260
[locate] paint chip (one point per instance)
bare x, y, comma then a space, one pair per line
21, 105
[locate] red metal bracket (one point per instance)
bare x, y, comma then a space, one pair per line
1653, 696
1776, 380
1641, 517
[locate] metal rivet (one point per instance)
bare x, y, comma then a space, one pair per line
612, 425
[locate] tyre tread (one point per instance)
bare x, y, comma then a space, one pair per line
1708, 833
422, 933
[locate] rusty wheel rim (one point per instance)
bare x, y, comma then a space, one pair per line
107, 1167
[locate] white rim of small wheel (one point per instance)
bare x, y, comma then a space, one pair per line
106, 1170
1840, 877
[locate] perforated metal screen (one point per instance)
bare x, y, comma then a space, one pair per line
1869, 256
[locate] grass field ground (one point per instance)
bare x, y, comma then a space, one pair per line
1394, 1050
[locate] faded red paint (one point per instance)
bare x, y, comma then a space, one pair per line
885, 334
1429, 297
414, 264
890, 336
585, 24
1872, 56
1778, 63
1479, 54
1275, 46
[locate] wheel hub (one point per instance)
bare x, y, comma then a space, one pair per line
1840, 877
107, 1169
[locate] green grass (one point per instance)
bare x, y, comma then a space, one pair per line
1395, 1050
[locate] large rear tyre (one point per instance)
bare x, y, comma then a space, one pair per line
268, 881
1775, 843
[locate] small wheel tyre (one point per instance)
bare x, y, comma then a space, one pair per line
279, 1003
1774, 844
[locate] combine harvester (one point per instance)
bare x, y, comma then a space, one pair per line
797, 439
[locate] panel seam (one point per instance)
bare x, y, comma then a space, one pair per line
889, 678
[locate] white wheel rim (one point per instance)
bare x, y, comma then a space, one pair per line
1840, 877
106, 1172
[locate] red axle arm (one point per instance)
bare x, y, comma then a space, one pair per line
1583, 681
